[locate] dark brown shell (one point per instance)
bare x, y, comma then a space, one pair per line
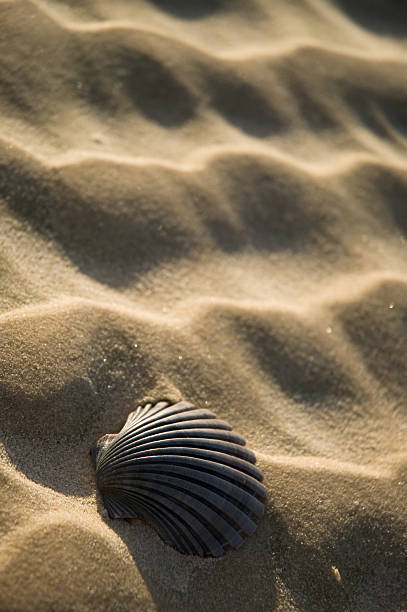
184, 471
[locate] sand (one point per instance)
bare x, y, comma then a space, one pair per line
205, 200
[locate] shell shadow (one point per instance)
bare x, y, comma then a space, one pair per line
239, 580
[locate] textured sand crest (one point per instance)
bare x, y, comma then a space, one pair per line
205, 200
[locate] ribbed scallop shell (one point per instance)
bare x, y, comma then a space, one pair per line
186, 473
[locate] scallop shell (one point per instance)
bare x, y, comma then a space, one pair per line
186, 473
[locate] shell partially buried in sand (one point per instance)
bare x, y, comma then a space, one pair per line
186, 473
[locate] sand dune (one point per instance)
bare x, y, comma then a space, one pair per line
205, 200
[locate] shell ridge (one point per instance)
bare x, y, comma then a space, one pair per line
164, 526
236, 495
244, 480
190, 545
163, 409
116, 508
213, 433
211, 456
211, 517
193, 543
126, 436
176, 427
215, 424
220, 504
198, 514
208, 444
141, 415
204, 512
194, 522
214, 443
161, 433
175, 417
133, 416
149, 410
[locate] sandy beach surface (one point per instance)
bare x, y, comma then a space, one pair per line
205, 199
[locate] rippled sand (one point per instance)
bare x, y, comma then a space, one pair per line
205, 200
